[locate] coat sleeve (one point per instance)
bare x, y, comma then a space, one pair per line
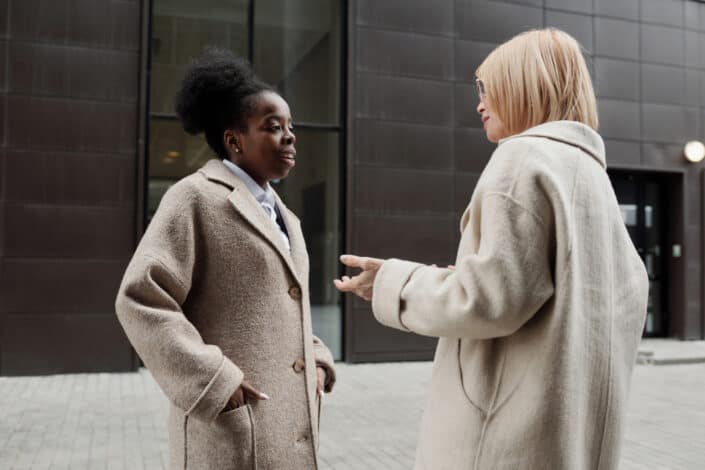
491, 293
195, 376
324, 359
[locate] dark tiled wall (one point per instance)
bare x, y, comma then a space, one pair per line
417, 147
69, 88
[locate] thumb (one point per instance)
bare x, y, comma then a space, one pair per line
252, 392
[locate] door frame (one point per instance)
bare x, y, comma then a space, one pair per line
672, 181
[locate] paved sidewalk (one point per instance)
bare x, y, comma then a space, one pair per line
117, 421
671, 351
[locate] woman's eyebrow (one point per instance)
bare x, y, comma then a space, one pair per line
278, 117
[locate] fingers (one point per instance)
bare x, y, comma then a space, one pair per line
238, 398
349, 284
371, 263
345, 284
252, 392
362, 284
369, 267
321, 380
351, 261
361, 262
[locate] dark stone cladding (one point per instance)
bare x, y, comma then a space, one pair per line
414, 131
69, 112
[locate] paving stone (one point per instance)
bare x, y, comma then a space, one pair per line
371, 421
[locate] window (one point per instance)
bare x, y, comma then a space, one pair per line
296, 47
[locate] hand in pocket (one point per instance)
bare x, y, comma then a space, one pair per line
244, 393
320, 380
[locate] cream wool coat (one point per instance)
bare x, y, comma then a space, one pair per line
540, 321
212, 295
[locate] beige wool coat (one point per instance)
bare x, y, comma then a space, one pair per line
540, 321
212, 295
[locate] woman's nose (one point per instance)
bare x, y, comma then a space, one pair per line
290, 138
480, 107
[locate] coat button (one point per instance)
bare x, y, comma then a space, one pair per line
299, 365
295, 293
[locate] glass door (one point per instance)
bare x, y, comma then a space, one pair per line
642, 200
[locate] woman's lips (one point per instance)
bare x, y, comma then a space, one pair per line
289, 158
288, 155
485, 119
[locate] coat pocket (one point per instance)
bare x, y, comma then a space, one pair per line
491, 370
227, 443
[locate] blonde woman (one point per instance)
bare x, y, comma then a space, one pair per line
540, 320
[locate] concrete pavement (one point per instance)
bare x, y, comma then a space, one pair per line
117, 421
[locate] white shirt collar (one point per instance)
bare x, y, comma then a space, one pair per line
265, 197
262, 195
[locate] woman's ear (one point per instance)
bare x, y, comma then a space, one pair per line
231, 141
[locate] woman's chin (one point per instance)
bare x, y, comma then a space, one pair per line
282, 173
495, 137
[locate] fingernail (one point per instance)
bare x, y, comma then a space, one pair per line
263, 396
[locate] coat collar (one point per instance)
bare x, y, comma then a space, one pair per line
263, 195
245, 203
569, 132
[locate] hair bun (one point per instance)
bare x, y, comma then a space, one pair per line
208, 87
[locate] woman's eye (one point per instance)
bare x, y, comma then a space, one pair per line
276, 127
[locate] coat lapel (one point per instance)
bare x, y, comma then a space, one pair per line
247, 206
299, 254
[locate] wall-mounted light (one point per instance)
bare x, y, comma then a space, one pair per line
694, 151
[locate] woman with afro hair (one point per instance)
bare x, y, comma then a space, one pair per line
215, 299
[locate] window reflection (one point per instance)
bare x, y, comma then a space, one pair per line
180, 31
628, 214
297, 49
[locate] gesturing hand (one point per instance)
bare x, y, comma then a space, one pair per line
360, 285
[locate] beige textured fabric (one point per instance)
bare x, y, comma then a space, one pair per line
210, 295
540, 322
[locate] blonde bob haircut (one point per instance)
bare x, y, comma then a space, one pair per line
538, 76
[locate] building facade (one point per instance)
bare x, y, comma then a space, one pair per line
390, 147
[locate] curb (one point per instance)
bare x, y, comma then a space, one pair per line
647, 358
